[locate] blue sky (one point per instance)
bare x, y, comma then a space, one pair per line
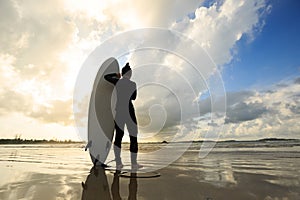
44, 43
273, 55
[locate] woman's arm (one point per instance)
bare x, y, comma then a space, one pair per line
133, 96
113, 77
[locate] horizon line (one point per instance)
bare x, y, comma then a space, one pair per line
146, 142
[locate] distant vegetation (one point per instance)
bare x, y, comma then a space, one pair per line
18, 140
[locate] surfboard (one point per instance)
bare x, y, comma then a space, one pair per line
96, 185
100, 117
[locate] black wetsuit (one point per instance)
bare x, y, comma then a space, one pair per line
125, 113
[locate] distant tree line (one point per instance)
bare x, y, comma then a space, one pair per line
18, 140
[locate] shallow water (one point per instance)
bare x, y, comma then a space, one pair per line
264, 171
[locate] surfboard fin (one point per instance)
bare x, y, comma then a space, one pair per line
84, 186
101, 164
89, 144
104, 165
96, 159
95, 162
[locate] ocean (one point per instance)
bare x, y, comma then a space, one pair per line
265, 169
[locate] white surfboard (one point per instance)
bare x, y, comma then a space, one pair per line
96, 185
100, 118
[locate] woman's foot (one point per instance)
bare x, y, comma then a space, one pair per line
119, 167
136, 166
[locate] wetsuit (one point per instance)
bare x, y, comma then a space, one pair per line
125, 113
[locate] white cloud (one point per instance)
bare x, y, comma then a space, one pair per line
216, 29
14, 124
219, 27
279, 116
43, 45
156, 13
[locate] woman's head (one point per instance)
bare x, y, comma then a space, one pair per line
126, 71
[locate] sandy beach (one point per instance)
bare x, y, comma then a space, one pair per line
65, 172
203, 94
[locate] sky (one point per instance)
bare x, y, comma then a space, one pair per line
278, 39
241, 57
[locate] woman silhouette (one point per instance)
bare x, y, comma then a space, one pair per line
125, 114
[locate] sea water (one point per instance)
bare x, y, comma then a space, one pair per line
275, 162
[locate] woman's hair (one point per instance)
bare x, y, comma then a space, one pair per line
125, 69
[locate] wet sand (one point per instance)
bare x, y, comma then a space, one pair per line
66, 173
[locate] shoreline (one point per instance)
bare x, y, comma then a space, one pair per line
35, 172
172, 184
44, 141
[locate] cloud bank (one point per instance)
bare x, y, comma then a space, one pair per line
262, 113
43, 45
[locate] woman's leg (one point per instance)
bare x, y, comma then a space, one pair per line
118, 142
133, 131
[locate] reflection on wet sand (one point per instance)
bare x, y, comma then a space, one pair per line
221, 175
96, 186
56, 172
132, 187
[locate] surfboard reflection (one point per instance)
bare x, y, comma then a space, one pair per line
96, 186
